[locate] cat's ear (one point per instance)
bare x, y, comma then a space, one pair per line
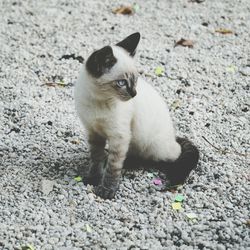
101, 61
130, 43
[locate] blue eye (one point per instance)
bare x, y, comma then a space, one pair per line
121, 83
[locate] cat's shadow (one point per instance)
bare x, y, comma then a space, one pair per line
78, 164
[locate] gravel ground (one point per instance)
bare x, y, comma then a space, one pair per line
43, 146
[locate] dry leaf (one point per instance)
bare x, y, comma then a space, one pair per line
50, 84
125, 10
224, 31
185, 43
75, 142
55, 84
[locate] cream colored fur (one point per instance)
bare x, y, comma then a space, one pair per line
140, 126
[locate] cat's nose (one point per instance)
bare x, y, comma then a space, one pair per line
132, 92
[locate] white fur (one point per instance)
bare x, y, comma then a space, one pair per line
144, 120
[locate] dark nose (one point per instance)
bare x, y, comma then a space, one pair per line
132, 92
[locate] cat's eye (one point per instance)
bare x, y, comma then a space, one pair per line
121, 83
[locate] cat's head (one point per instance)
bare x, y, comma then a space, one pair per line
113, 68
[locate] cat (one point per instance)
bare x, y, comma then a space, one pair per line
117, 107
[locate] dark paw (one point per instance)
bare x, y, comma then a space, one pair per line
94, 180
105, 193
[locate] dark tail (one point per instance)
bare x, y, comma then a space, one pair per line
177, 171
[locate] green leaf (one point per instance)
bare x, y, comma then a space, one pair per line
78, 178
231, 69
179, 198
159, 71
28, 247
224, 31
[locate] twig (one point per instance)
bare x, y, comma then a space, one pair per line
54, 84
49, 84
224, 151
149, 75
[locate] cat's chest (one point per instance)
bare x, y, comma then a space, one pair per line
105, 120
94, 115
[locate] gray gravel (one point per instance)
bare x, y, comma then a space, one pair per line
43, 146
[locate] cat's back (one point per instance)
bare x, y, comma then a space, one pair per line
149, 102
152, 127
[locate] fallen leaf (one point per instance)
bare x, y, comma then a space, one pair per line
136, 7
185, 43
78, 178
176, 205
125, 10
159, 71
179, 198
28, 247
157, 181
75, 142
62, 84
88, 228
47, 186
50, 84
54, 84
191, 216
224, 31
231, 69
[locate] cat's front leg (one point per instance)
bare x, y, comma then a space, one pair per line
98, 158
118, 147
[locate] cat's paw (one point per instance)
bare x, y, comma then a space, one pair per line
105, 193
94, 180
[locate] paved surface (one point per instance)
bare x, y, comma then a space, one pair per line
43, 147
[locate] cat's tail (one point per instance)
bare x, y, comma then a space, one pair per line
177, 171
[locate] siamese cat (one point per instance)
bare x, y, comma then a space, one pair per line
117, 107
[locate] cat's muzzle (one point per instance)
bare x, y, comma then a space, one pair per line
131, 91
